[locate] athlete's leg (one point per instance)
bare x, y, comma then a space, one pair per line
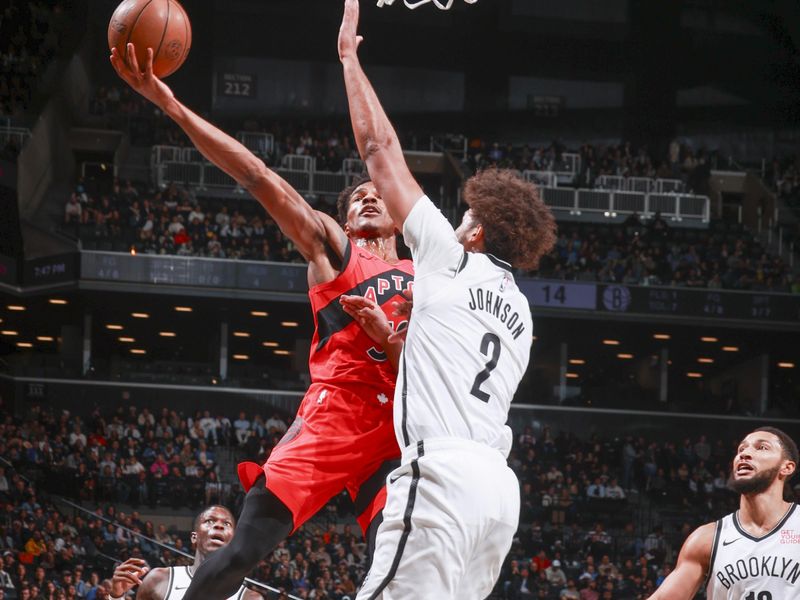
265, 521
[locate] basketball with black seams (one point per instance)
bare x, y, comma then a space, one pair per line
158, 24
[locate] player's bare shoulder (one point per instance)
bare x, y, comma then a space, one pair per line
252, 595
700, 543
155, 585
694, 562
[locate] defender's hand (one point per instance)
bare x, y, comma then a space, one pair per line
144, 82
349, 40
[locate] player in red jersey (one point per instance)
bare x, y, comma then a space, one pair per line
343, 436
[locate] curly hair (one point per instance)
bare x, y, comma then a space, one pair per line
343, 201
518, 227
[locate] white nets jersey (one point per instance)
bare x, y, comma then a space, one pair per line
744, 567
468, 342
180, 580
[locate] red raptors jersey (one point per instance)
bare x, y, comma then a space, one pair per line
342, 355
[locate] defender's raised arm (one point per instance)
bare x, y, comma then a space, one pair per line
375, 136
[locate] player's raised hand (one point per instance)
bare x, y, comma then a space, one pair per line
349, 39
128, 575
143, 81
369, 316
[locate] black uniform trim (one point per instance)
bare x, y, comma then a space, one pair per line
348, 251
170, 582
499, 262
463, 263
332, 318
370, 488
412, 496
777, 527
404, 398
717, 534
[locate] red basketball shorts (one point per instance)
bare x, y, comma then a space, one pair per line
339, 440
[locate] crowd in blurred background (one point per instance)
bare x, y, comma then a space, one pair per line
600, 518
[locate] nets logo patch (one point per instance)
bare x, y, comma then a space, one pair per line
790, 536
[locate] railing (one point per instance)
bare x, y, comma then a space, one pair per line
261, 144
677, 207
206, 176
20, 135
454, 143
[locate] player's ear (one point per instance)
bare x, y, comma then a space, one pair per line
346, 228
789, 468
477, 236
194, 537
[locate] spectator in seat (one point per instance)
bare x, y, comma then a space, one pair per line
614, 492
555, 575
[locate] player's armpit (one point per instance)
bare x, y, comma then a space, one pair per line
693, 565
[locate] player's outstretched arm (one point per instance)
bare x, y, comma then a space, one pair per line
375, 136
311, 231
694, 561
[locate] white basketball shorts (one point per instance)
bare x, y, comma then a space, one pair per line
452, 509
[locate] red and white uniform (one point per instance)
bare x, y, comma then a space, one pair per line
343, 434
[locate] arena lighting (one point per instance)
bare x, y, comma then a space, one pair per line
709, 339
24, 345
662, 336
259, 313
577, 361
59, 301
138, 351
9, 332
241, 334
127, 340
15, 307
694, 375
706, 361
611, 342
138, 315
572, 375
169, 334
730, 348
44, 338
624, 356
270, 344
282, 352
241, 357
183, 309
786, 365
115, 327
290, 323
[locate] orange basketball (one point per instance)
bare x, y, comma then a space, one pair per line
158, 24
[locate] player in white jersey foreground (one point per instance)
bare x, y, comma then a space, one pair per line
453, 504
213, 529
754, 553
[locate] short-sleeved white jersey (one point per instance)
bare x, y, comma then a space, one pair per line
468, 342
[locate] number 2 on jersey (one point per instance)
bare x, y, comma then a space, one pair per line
490, 339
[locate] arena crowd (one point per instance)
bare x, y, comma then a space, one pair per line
601, 518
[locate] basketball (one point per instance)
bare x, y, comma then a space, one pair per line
158, 24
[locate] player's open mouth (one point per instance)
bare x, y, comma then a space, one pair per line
370, 211
218, 539
744, 468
